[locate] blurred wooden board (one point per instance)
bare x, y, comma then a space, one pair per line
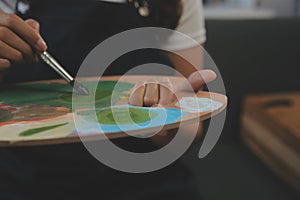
39, 113
271, 129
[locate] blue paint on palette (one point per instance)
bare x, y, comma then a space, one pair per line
163, 116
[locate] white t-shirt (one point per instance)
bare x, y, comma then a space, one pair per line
191, 22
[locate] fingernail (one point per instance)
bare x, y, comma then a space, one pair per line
41, 45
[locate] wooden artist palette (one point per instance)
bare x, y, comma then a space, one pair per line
40, 113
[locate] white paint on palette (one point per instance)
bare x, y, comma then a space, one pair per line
196, 105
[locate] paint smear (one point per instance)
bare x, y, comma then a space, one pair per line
5, 115
147, 118
196, 105
125, 116
60, 94
101, 95
34, 131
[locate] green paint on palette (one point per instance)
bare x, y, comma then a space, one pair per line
101, 95
59, 94
5, 115
34, 131
125, 116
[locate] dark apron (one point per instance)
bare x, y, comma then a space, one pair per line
72, 29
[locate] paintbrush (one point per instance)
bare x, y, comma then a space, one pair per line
54, 64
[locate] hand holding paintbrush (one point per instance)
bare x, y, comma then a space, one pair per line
21, 41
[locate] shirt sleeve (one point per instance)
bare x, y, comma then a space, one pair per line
191, 24
8, 6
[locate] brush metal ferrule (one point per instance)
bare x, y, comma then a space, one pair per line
47, 58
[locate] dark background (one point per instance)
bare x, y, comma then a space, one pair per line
253, 56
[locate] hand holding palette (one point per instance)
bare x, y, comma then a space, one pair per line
40, 113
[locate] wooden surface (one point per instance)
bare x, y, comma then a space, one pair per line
192, 117
271, 129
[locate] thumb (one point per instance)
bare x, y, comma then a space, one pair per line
197, 79
33, 24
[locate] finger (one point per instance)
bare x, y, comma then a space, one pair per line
163, 133
4, 64
137, 95
33, 24
201, 77
166, 95
197, 79
11, 39
36, 26
151, 96
10, 53
20, 27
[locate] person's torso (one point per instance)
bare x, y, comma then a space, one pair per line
72, 28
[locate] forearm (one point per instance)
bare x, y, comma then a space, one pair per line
187, 61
